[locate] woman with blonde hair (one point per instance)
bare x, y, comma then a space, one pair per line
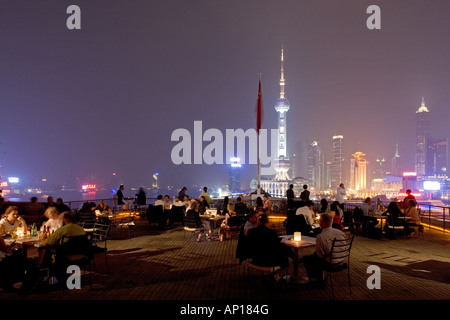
11, 221
54, 219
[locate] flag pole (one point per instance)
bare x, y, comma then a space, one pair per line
258, 129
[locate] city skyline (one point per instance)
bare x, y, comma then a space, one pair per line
105, 99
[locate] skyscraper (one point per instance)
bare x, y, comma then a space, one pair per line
395, 163
422, 138
337, 162
358, 172
441, 156
316, 172
234, 178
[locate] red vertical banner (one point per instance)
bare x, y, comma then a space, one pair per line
259, 110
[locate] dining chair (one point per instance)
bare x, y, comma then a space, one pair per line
191, 225
99, 240
74, 250
340, 251
128, 224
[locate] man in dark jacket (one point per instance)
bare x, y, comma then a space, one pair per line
265, 247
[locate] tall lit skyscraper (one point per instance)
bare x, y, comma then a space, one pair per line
316, 172
282, 106
441, 156
337, 166
234, 178
395, 164
358, 172
422, 138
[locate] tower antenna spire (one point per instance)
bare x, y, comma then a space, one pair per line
282, 81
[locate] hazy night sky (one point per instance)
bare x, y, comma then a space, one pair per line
107, 98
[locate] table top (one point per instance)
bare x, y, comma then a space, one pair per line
306, 241
31, 241
212, 217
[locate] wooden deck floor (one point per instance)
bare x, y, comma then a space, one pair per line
170, 266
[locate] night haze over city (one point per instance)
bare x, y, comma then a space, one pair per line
104, 100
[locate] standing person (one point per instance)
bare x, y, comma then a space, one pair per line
206, 195
340, 193
182, 193
290, 196
120, 196
267, 204
259, 205
304, 196
409, 196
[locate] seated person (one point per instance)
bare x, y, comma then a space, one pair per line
307, 212
203, 205
193, 215
337, 214
86, 214
324, 206
318, 261
160, 201
12, 266
167, 203
367, 208
11, 221
178, 203
368, 212
61, 206
252, 222
54, 220
240, 207
411, 211
265, 248
103, 208
69, 229
267, 205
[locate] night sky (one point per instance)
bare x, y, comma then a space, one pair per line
107, 98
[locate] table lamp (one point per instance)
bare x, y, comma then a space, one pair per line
297, 236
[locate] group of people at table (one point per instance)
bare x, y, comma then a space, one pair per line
16, 236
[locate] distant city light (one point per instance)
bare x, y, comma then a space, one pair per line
409, 174
13, 180
89, 187
44, 180
431, 185
3, 184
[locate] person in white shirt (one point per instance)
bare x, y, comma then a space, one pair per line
307, 212
315, 263
55, 219
340, 194
205, 195
367, 208
167, 203
11, 221
252, 221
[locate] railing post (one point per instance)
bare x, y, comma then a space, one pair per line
429, 216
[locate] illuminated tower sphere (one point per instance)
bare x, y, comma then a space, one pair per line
282, 107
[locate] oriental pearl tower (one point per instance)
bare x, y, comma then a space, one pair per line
282, 107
